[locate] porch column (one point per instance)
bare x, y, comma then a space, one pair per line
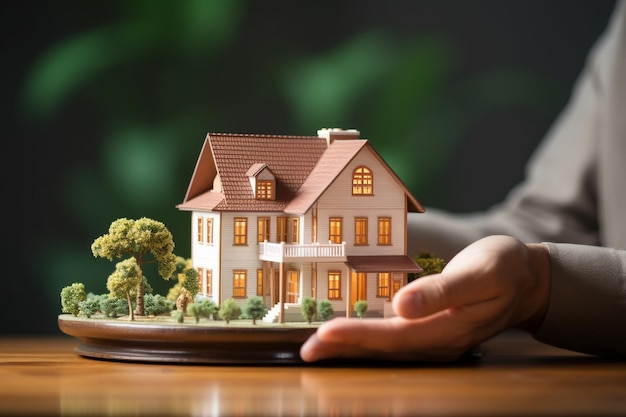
281, 294
348, 291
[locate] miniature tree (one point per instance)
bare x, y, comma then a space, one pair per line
325, 310
89, 306
229, 310
187, 278
138, 238
113, 307
360, 308
429, 263
255, 308
309, 309
71, 296
205, 308
156, 304
124, 280
183, 300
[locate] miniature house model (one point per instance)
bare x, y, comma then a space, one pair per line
289, 217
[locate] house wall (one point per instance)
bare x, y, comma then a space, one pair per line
388, 199
223, 257
376, 304
207, 255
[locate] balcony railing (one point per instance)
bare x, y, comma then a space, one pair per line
312, 252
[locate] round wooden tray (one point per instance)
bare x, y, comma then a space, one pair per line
139, 341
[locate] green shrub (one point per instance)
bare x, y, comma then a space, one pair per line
113, 306
206, 308
71, 296
309, 309
360, 307
229, 310
255, 308
325, 310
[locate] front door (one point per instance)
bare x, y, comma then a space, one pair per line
293, 276
358, 289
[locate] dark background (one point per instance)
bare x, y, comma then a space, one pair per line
105, 106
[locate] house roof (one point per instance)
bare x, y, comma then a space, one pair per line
391, 263
304, 167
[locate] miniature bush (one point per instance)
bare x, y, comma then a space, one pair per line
89, 307
205, 308
429, 264
113, 306
309, 309
255, 308
179, 315
360, 308
71, 296
156, 304
229, 310
325, 310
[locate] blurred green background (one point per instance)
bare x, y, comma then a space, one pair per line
105, 106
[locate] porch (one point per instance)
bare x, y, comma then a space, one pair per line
312, 252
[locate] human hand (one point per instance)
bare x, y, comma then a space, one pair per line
495, 283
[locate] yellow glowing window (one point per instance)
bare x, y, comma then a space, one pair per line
362, 181
208, 284
263, 229
200, 229
334, 285
239, 284
384, 230
335, 230
241, 231
360, 231
265, 190
281, 229
382, 288
209, 231
259, 282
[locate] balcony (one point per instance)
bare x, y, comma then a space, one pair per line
312, 252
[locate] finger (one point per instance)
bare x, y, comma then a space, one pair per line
435, 293
479, 273
433, 338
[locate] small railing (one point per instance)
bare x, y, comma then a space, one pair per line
280, 252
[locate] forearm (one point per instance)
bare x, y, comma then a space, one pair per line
586, 311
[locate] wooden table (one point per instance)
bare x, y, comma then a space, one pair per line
516, 376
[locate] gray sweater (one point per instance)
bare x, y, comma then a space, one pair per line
574, 200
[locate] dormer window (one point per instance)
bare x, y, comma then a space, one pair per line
262, 181
265, 190
362, 181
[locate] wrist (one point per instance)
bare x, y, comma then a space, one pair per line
539, 297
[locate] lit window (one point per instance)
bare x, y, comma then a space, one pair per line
239, 284
382, 288
263, 229
281, 229
209, 231
259, 282
360, 231
334, 230
384, 230
265, 190
200, 229
334, 285
362, 181
295, 230
208, 285
241, 231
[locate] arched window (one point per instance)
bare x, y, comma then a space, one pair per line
362, 181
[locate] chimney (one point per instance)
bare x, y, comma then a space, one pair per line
336, 133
